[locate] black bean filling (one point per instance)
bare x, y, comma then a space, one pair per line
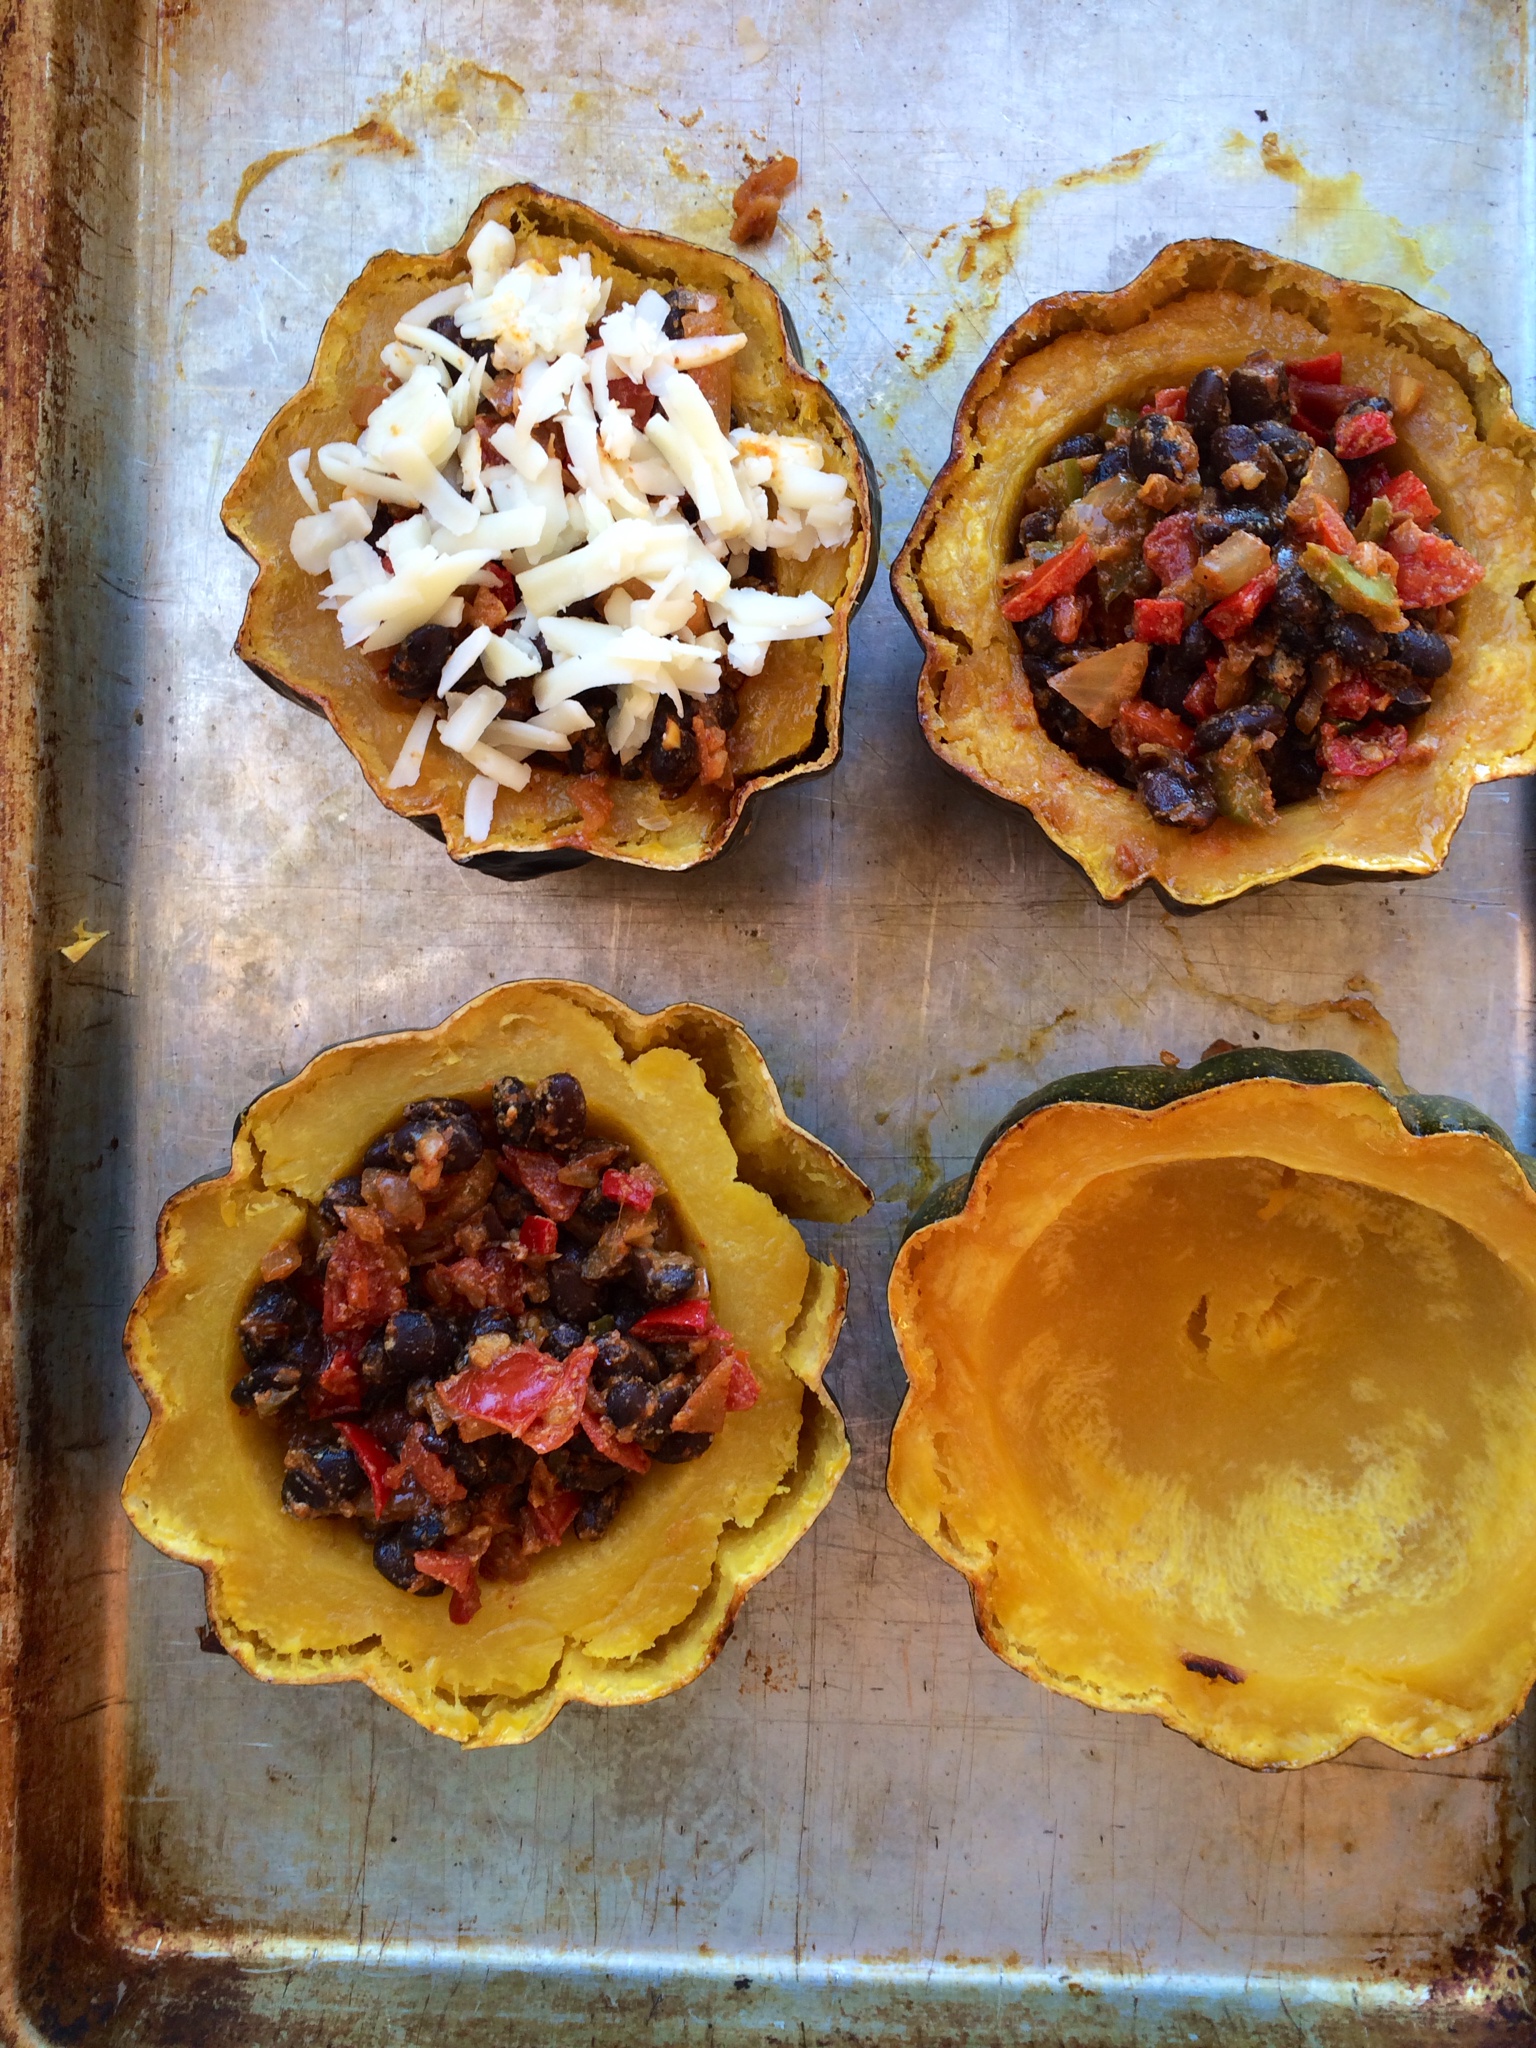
1308, 687
440, 1256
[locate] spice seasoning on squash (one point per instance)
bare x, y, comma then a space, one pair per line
1292, 552
493, 1373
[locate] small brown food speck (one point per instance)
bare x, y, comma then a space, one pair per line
1218, 1045
758, 197
1212, 1667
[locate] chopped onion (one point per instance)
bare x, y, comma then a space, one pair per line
1240, 557
1102, 685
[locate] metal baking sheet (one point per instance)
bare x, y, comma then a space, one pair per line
859, 1825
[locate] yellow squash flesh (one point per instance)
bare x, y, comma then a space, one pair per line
1227, 1409
791, 714
1052, 374
627, 1618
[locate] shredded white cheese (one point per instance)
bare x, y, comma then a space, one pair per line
620, 535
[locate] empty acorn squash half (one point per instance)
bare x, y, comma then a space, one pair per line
1222, 1395
645, 1609
1051, 375
789, 716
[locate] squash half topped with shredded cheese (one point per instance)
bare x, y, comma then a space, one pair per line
562, 539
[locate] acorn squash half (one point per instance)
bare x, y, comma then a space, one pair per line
1222, 1395
790, 720
1052, 374
627, 1618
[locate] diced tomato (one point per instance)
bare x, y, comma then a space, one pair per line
550, 1511
1314, 517
524, 1393
376, 1462
744, 1389
1200, 697
703, 1413
1171, 400
1409, 497
1160, 621
1050, 580
1363, 433
1431, 570
1351, 699
1067, 616
682, 1319
1170, 550
1324, 402
539, 1175
459, 1575
1144, 724
437, 1480
604, 1440
539, 1235
1368, 482
1318, 370
503, 582
338, 1388
365, 1283
490, 1279
1235, 614
1357, 756
635, 398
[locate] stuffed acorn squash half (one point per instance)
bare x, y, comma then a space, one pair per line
562, 539
508, 1311
1222, 1395
1228, 577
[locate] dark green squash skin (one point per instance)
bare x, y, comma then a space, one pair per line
1155, 1087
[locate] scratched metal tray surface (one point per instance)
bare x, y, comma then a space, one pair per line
858, 1825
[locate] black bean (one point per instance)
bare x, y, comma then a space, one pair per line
1294, 770
1213, 733
594, 1212
679, 1445
275, 1321
394, 1554
1080, 445
573, 1299
563, 1339
346, 1193
446, 327
512, 1110
664, 1277
1066, 725
1421, 652
268, 1388
1299, 612
1175, 795
1037, 525
1294, 449
322, 1475
1037, 670
1411, 697
416, 666
1234, 444
1356, 642
620, 1356
581, 1469
441, 1115
1162, 447
1259, 389
1266, 522
490, 1460
559, 1111
596, 1513
1356, 406
1113, 462
418, 1341
1206, 406
630, 1403
672, 752
490, 1322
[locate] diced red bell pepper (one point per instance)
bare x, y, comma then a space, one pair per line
1068, 615
504, 583
635, 398
1171, 550
1171, 400
338, 1387
1357, 756
1147, 724
744, 1389
1052, 579
1200, 697
1235, 614
1319, 519
1363, 433
1318, 370
1409, 497
1368, 482
1324, 402
1431, 570
682, 1319
550, 1511
376, 1462
1160, 621
459, 1575
539, 1175
608, 1444
539, 1235
365, 1283
1351, 699
630, 1190
524, 1393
